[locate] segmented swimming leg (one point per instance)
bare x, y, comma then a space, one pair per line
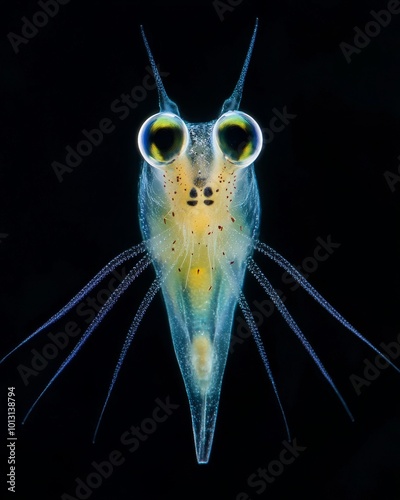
260, 346
265, 283
107, 306
151, 293
287, 266
113, 264
257, 338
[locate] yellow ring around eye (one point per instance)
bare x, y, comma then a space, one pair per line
239, 137
162, 138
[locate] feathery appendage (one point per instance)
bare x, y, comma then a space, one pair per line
151, 293
287, 266
106, 308
107, 269
264, 282
256, 335
260, 346
144, 305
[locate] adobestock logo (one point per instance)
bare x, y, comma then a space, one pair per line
277, 123
266, 307
372, 369
267, 475
58, 341
132, 439
92, 139
40, 19
372, 29
392, 179
222, 7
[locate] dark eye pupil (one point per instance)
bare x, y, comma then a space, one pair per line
164, 139
236, 137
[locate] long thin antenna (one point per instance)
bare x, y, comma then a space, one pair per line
165, 102
233, 102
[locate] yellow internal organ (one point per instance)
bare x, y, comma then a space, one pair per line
198, 280
201, 220
202, 357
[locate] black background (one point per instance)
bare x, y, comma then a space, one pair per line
323, 175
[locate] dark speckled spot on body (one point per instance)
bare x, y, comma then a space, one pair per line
200, 182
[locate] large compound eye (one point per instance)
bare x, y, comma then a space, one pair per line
238, 137
162, 138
